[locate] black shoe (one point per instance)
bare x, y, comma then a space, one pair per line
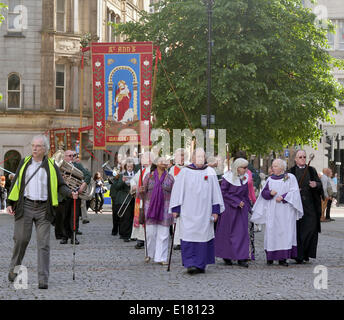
79, 232
243, 263
283, 263
140, 245
126, 240
85, 221
76, 241
228, 262
12, 276
199, 270
114, 233
63, 241
269, 262
176, 247
192, 270
307, 259
42, 285
299, 261
58, 237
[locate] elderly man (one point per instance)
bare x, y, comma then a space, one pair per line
279, 206
33, 194
66, 205
196, 197
311, 194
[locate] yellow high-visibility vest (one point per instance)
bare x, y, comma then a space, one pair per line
14, 194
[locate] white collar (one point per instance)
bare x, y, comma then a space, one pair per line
236, 182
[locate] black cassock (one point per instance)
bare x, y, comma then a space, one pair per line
308, 226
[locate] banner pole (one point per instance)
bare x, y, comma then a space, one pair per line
81, 98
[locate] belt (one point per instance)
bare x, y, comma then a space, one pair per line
35, 201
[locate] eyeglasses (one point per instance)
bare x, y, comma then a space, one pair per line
69, 155
302, 157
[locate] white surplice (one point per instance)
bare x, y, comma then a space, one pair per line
196, 191
279, 218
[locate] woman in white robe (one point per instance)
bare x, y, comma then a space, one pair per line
279, 206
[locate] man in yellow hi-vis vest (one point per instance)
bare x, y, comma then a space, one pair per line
32, 198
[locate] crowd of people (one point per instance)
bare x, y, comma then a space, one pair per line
206, 213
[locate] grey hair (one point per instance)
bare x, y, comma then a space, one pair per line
301, 150
198, 150
281, 163
240, 162
45, 140
129, 161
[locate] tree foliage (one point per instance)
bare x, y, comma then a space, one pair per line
272, 79
2, 6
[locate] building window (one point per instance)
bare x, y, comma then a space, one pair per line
60, 86
60, 15
341, 103
341, 35
13, 91
151, 8
16, 16
330, 40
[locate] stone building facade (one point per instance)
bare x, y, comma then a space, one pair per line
40, 63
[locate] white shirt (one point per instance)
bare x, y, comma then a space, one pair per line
37, 188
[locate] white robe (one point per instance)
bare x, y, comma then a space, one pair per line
196, 195
279, 218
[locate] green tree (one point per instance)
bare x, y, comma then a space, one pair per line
2, 18
271, 72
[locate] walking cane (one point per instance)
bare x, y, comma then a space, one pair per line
74, 235
146, 249
169, 260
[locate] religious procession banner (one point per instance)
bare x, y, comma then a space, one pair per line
122, 83
60, 139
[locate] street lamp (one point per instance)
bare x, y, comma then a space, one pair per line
209, 4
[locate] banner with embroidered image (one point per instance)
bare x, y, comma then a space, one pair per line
122, 85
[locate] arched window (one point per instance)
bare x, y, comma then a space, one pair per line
13, 91
11, 161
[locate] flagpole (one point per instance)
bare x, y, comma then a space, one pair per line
81, 102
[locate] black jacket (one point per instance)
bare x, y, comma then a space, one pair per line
19, 205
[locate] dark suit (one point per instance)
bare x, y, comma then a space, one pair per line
309, 225
119, 195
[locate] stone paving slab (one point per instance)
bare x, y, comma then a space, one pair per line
109, 269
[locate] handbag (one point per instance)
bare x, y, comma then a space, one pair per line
330, 190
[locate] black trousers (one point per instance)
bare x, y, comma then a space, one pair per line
66, 220
328, 208
99, 201
124, 224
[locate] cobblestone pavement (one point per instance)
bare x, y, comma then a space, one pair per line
108, 268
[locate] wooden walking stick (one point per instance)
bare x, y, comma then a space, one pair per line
170, 258
74, 236
311, 157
